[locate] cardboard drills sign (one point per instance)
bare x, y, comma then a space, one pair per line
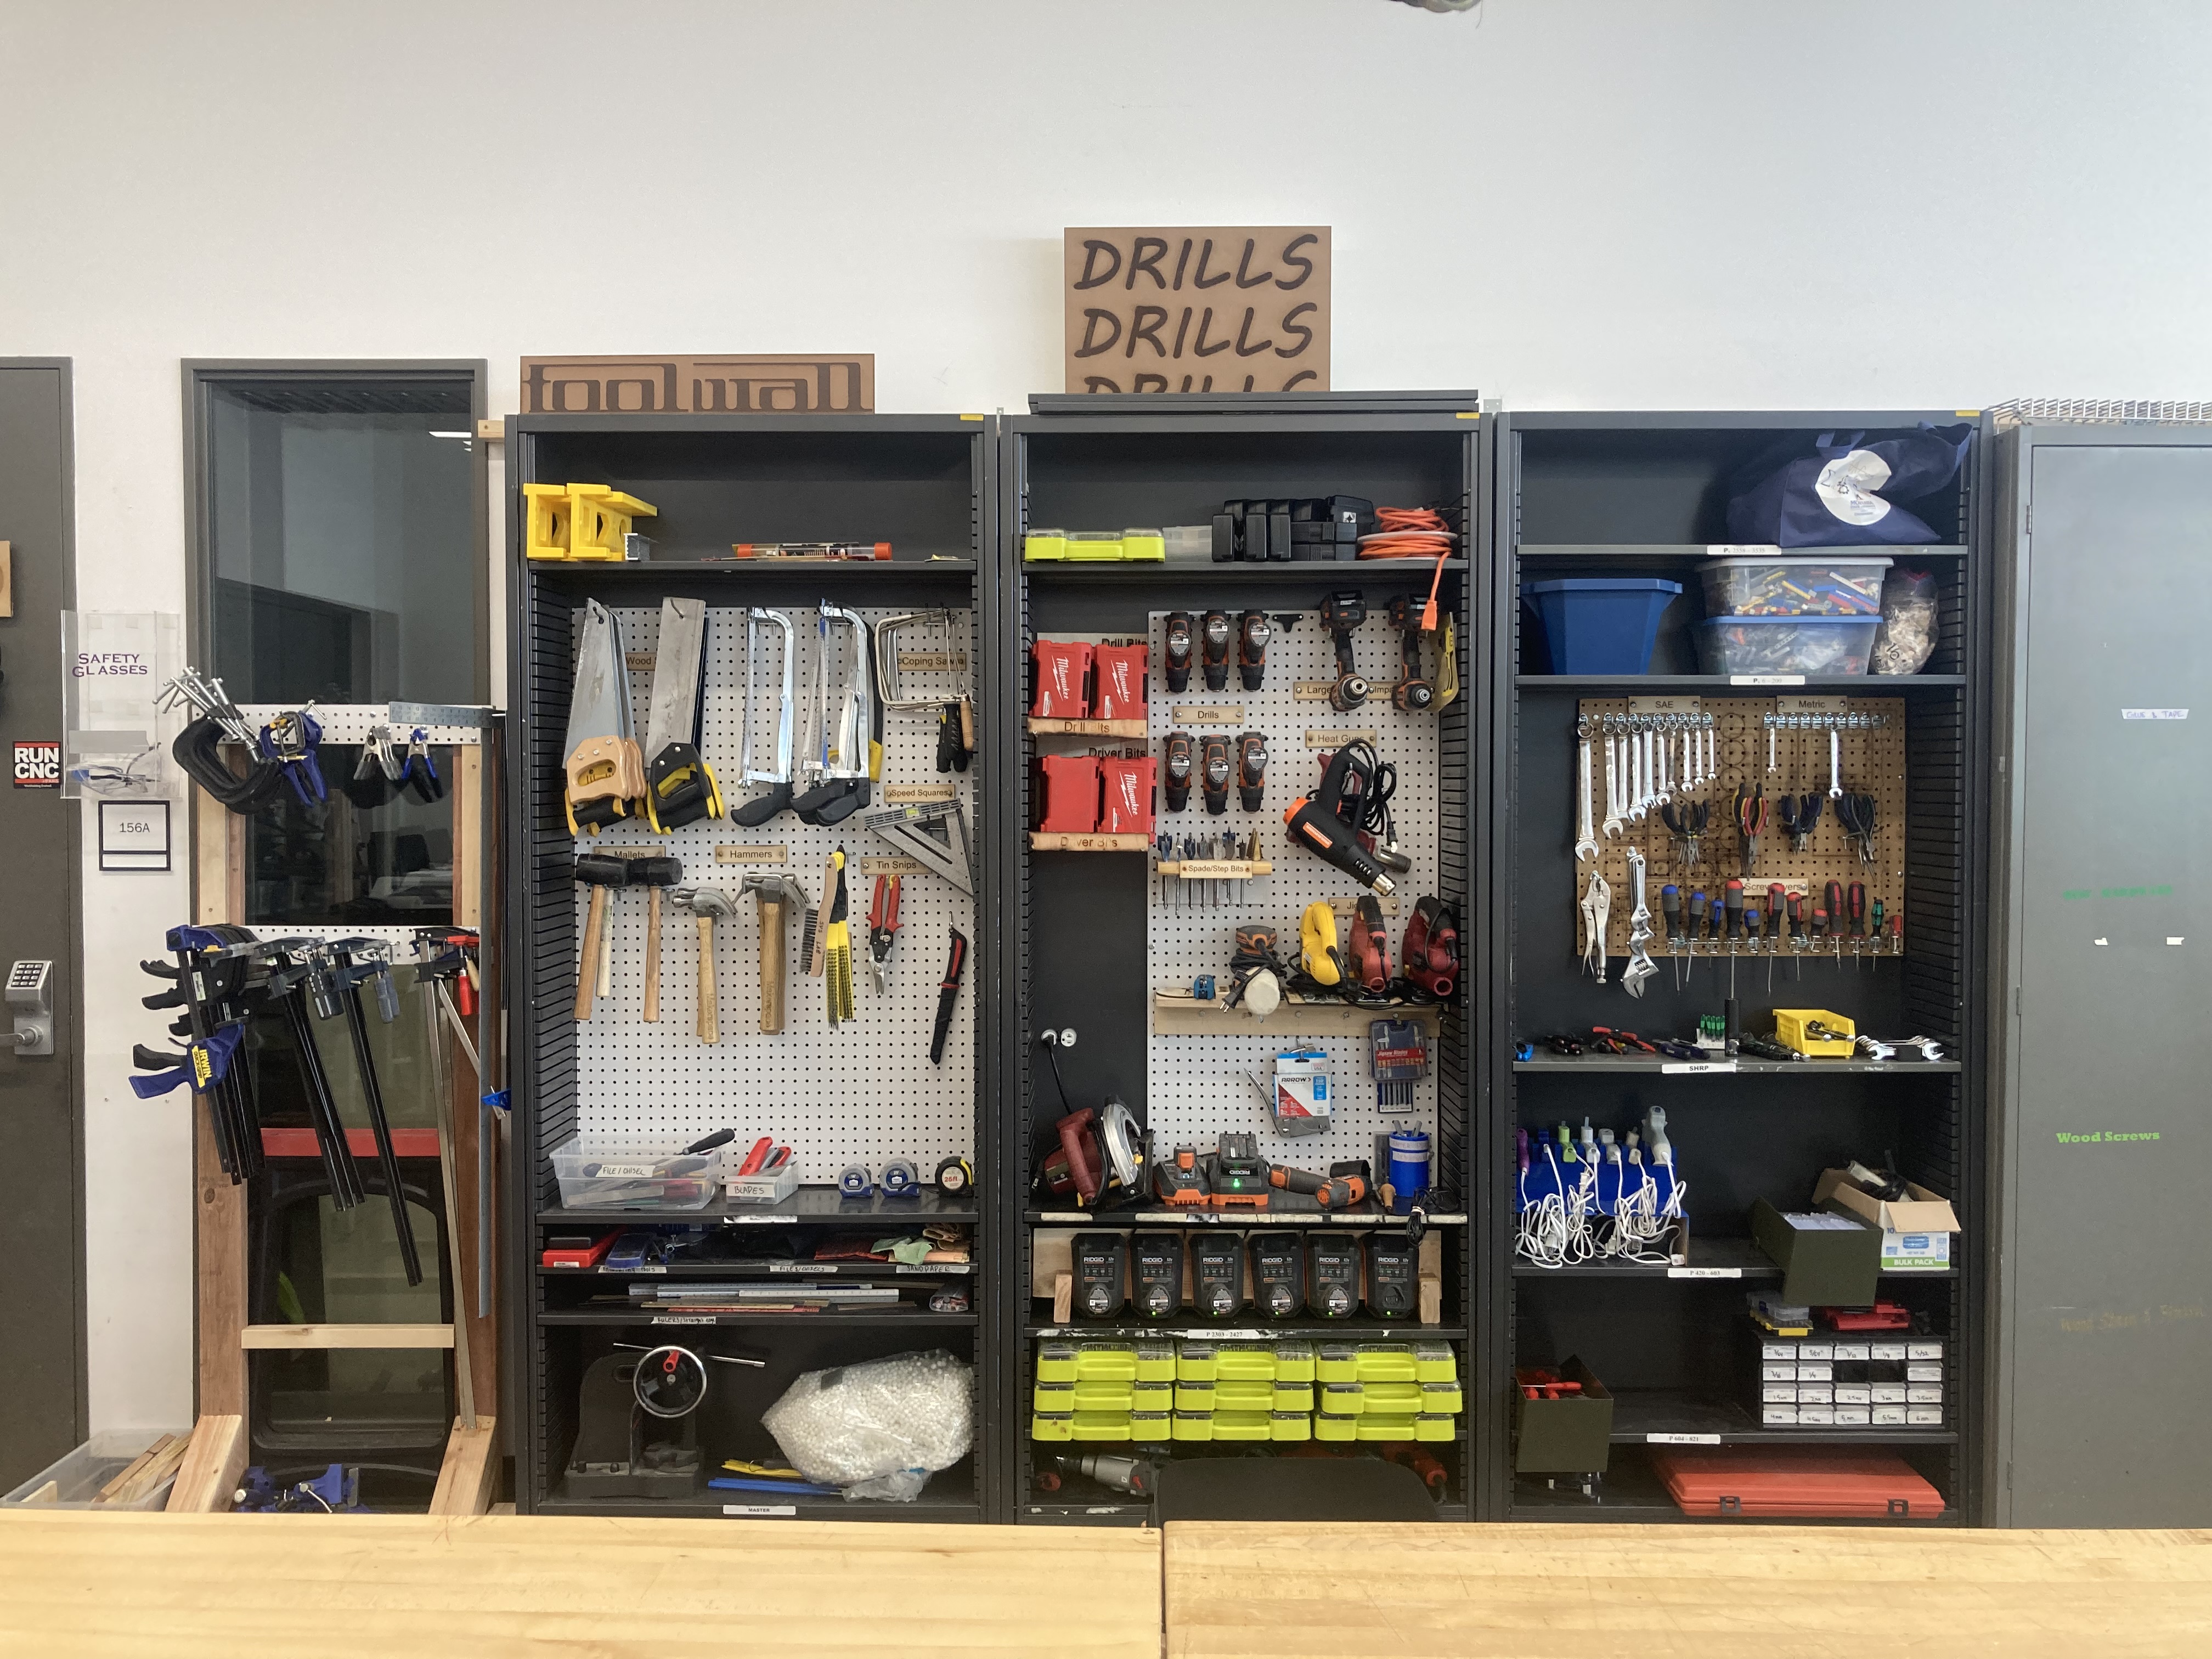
1205, 308
699, 385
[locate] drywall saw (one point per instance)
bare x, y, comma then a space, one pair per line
680, 785
933, 833
605, 775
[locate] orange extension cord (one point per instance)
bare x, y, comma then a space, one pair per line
1411, 533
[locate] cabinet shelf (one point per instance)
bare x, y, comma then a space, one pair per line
1178, 1015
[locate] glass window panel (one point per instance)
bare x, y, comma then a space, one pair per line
400, 1052
342, 522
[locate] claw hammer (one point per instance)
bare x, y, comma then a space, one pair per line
776, 896
706, 904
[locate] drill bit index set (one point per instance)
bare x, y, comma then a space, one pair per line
804, 794
1746, 829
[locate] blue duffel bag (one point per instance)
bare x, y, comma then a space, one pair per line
1845, 493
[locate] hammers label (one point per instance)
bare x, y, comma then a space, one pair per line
750, 856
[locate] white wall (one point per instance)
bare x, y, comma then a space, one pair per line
1607, 204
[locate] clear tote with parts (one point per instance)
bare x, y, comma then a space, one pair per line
753, 876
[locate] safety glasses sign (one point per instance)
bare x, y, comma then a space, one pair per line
1197, 308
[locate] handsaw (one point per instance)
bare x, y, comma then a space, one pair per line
605, 775
679, 786
934, 833
837, 947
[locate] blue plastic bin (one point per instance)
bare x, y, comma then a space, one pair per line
1600, 624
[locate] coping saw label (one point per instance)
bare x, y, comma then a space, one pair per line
933, 662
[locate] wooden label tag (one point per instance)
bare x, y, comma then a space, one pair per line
639, 662
1311, 691
1336, 740
933, 662
1666, 705
1209, 713
891, 864
1812, 705
750, 856
898, 793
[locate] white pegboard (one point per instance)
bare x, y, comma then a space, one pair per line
859, 1094
1196, 1086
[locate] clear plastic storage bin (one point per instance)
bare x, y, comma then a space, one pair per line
1845, 583
80, 1474
637, 1175
1786, 645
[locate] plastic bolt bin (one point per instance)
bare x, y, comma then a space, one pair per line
1786, 645
1846, 584
1600, 624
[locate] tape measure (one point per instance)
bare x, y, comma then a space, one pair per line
900, 1179
855, 1182
955, 1176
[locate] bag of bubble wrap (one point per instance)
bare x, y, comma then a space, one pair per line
1907, 637
878, 1429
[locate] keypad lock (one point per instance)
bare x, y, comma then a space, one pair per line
30, 1001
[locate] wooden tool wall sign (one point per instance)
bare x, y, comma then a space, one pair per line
699, 385
1204, 308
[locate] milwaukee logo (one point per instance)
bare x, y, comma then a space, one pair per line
699, 385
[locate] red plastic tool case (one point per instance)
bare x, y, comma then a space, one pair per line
1742, 1481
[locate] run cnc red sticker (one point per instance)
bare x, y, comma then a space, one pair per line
38, 764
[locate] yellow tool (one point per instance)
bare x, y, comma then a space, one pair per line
584, 521
1323, 961
837, 944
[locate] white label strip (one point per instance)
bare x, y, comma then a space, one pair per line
1681, 1440
760, 1508
1691, 1068
1704, 1273
1765, 679
2153, 713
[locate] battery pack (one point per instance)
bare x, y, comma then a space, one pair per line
1332, 1277
1102, 1273
1393, 1276
1217, 1274
1279, 1274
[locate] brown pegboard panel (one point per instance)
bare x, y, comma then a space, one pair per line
1872, 764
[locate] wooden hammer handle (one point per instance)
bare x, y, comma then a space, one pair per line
772, 964
587, 965
652, 955
710, 1013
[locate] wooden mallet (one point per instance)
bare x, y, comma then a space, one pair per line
599, 873
653, 874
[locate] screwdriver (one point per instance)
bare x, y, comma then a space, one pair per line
1670, 905
1797, 929
1874, 932
1697, 905
1777, 897
1834, 894
1732, 910
1858, 904
1752, 926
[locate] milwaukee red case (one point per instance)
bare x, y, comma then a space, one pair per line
1128, 791
1120, 677
1071, 793
1734, 1480
1063, 669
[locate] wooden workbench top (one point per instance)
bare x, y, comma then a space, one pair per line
490, 1587
1699, 1592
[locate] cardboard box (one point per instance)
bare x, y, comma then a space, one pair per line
1914, 1230
1564, 1436
1826, 1266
